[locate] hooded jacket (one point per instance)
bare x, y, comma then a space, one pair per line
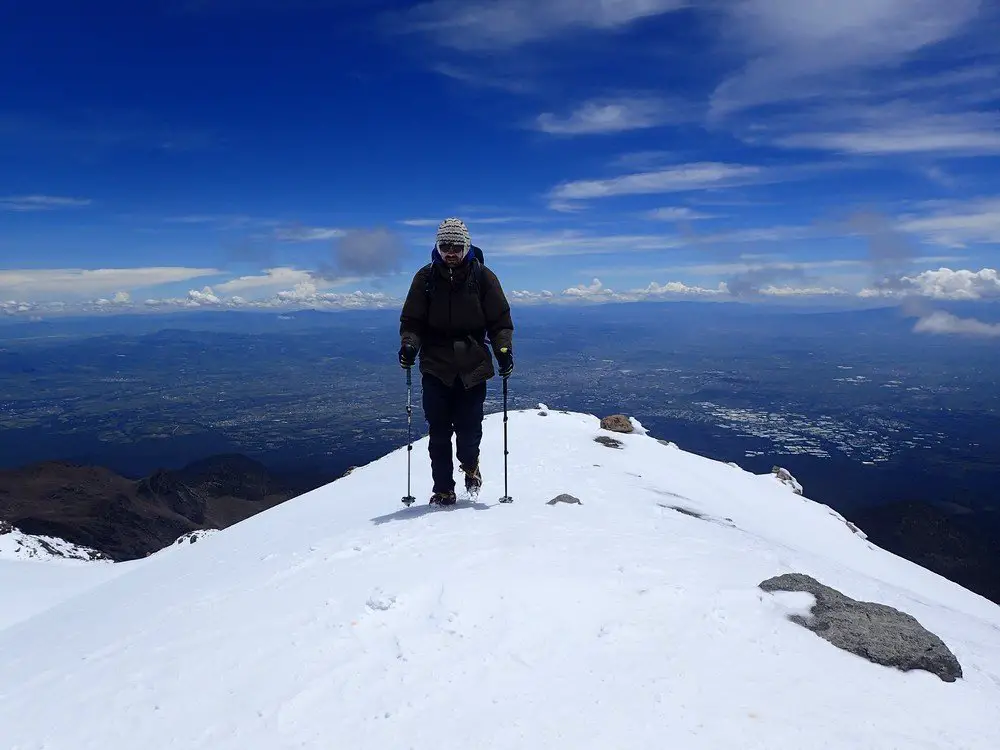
447, 316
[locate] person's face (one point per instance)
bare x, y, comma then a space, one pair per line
451, 254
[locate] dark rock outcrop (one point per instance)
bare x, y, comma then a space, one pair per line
608, 442
962, 546
879, 633
127, 519
564, 498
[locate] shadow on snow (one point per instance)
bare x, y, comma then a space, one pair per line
416, 511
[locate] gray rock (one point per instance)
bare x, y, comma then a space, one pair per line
879, 633
609, 442
564, 498
785, 477
617, 423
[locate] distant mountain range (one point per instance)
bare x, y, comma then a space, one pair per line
125, 519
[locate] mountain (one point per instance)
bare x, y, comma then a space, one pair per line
957, 542
126, 519
632, 595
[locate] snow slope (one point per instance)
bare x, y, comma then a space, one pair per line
343, 619
16, 545
37, 572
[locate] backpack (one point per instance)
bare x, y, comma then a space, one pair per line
475, 276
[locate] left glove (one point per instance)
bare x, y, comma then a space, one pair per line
505, 361
407, 356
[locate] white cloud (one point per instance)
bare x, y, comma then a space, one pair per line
573, 242
420, 222
587, 290
222, 221
525, 297
941, 322
576, 242
680, 289
942, 284
677, 213
680, 178
23, 203
905, 131
304, 295
272, 277
597, 292
498, 24
790, 291
601, 116
117, 300
798, 48
500, 80
307, 234
957, 224
77, 282
470, 221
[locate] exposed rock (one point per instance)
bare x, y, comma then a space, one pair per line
668, 443
564, 498
617, 423
785, 477
856, 530
93, 507
879, 633
699, 515
193, 536
6, 528
610, 442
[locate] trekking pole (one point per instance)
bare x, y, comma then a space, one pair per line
506, 497
409, 498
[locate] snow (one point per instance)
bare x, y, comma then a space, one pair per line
342, 618
37, 572
16, 545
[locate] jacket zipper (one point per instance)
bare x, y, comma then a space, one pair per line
451, 288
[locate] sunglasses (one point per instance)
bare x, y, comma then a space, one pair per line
448, 248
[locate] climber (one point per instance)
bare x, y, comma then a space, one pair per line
453, 304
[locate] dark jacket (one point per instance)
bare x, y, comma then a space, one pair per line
447, 316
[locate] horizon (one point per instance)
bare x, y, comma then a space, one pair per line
219, 154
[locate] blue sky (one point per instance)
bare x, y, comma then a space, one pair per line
275, 153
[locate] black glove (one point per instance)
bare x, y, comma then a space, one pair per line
407, 356
505, 359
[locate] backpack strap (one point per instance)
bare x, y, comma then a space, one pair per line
475, 281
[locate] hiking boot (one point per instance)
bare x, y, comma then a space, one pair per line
443, 498
473, 479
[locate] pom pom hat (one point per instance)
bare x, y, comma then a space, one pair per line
453, 232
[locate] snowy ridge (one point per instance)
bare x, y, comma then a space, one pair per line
16, 545
633, 619
38, 572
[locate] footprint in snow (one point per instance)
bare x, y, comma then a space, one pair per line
379, 601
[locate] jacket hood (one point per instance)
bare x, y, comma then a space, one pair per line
474, 252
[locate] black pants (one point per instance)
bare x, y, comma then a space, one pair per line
452, 409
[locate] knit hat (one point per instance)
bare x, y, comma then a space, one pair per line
453, 232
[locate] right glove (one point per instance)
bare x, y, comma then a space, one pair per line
505, 360
407, 356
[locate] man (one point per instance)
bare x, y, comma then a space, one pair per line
453, 303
